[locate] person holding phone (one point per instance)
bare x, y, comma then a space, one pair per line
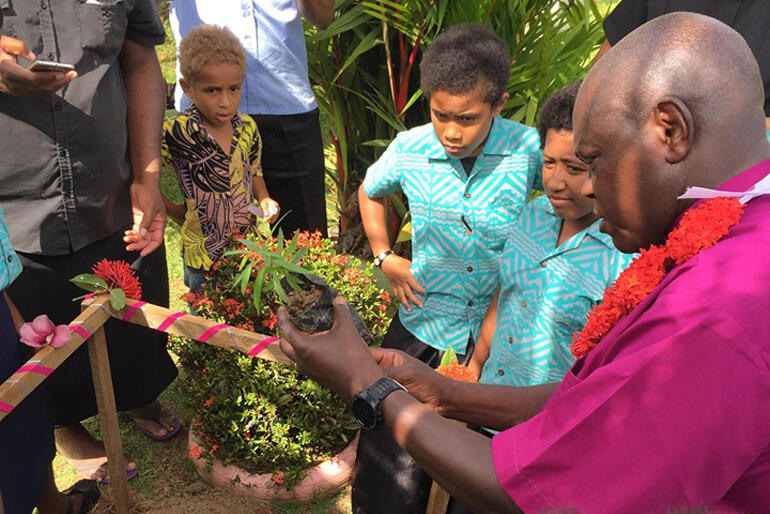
88, 191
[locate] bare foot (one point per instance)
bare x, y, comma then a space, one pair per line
156, 421
86, 454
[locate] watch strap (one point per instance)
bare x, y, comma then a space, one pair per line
381, 257
373, 396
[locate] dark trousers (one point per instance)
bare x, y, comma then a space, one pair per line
386, 478
141, 367
26, 434
293, 168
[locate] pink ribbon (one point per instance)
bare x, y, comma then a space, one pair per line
6, 407
262, 345
169, 321
35, 368
82, 332
131, 309
210, 332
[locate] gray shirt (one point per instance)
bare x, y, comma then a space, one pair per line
64, 170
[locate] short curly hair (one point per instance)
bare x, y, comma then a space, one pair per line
209, 44
557, 111
465, 58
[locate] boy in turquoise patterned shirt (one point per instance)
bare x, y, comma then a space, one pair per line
553, 270
467, 176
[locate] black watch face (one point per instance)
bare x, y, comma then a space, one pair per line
364, 412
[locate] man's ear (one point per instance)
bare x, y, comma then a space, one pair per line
674, 128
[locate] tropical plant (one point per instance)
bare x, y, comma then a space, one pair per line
261, 415
363, 67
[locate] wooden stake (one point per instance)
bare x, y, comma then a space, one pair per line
438, 501
108, 418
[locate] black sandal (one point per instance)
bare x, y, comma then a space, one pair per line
89, 490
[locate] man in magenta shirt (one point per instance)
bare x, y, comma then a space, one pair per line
672, 407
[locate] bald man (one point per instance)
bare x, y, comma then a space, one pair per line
672, 408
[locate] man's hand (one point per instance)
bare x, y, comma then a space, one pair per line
19, 81
420, 380
146, 235
404, 284
338, 359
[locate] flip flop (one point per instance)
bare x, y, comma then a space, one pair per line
88, 469
90, 492
155, 418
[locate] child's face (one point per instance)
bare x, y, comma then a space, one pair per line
564, 175
216, 92
462, 122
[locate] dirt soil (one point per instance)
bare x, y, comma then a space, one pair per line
299, 301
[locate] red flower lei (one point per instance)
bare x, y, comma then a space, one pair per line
700, 228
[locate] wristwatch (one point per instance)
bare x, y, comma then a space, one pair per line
366, 404
378, 260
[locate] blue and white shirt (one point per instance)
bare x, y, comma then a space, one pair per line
457, 266
271, 32
546, 294
10, 266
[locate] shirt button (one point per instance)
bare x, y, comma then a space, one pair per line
523, 304
510, 339
467, 195
9, 258
470, 268
50, 57
43, 4
500, 372
543, 264
470, 303
57, 107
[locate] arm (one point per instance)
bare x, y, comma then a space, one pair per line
319, 13
481, 352
396, 268
145, 99
270, 208
467, 471
493, 406
175, 211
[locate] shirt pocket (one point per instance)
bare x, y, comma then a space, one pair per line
102, 25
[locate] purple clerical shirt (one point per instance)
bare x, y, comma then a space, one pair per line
672, 408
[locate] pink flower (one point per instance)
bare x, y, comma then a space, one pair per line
41, 331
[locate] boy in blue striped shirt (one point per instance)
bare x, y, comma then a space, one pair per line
467, 175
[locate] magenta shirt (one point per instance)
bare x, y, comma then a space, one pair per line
672, 408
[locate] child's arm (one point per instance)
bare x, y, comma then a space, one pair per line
481, 352
396, 268
175, 211
270, 208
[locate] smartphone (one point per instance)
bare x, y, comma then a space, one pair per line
50, 66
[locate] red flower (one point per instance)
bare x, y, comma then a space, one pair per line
382, 307
698, 229
385, 297
118, 274
209, 402
195, 452
270, 322
214, 448
457, 371
278, 477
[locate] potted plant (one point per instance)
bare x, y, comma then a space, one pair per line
261, 416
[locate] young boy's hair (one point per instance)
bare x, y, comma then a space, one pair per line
465, 58
557, 111
209, 44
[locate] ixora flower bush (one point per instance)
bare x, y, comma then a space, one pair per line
259, 415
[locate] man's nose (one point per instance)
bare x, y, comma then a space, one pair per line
452, 132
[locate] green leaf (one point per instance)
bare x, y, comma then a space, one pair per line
278, 288
257, 293
117, 298
405, 234
245, 276
449, 357
89, 282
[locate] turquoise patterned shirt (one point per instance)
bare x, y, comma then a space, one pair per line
546, 293
10, 267
455, 263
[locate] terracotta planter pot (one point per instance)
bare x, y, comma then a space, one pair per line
323, 479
